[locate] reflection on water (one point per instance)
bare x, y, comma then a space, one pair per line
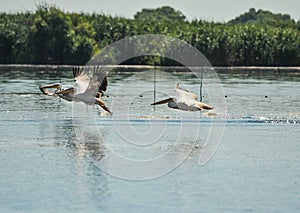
49, 154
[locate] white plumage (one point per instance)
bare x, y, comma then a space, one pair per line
89, 90
186, 100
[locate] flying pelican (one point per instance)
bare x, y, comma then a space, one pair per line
186, 101
90, 90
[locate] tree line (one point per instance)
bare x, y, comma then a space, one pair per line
51, 36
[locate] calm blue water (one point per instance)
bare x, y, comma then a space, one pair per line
59, 157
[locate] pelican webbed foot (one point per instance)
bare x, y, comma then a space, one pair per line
102, 104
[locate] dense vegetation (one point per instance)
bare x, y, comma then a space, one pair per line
51, 36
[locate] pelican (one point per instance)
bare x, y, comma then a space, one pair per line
90, 90
186, 101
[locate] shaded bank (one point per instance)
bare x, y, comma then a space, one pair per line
51, 36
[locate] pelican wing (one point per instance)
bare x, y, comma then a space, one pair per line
98, 81
103, 86
81, 79
185, 96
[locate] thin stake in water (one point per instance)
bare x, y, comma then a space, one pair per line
154, 86
201, 85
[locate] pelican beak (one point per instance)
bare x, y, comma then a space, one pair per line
44, 89
163, 101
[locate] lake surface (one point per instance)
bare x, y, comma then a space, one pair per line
58, 156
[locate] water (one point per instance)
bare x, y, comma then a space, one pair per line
55, 156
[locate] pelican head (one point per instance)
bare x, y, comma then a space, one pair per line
67, 94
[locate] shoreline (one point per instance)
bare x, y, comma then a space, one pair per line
132, 68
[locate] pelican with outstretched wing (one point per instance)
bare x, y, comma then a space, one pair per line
186, 101
89, 90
